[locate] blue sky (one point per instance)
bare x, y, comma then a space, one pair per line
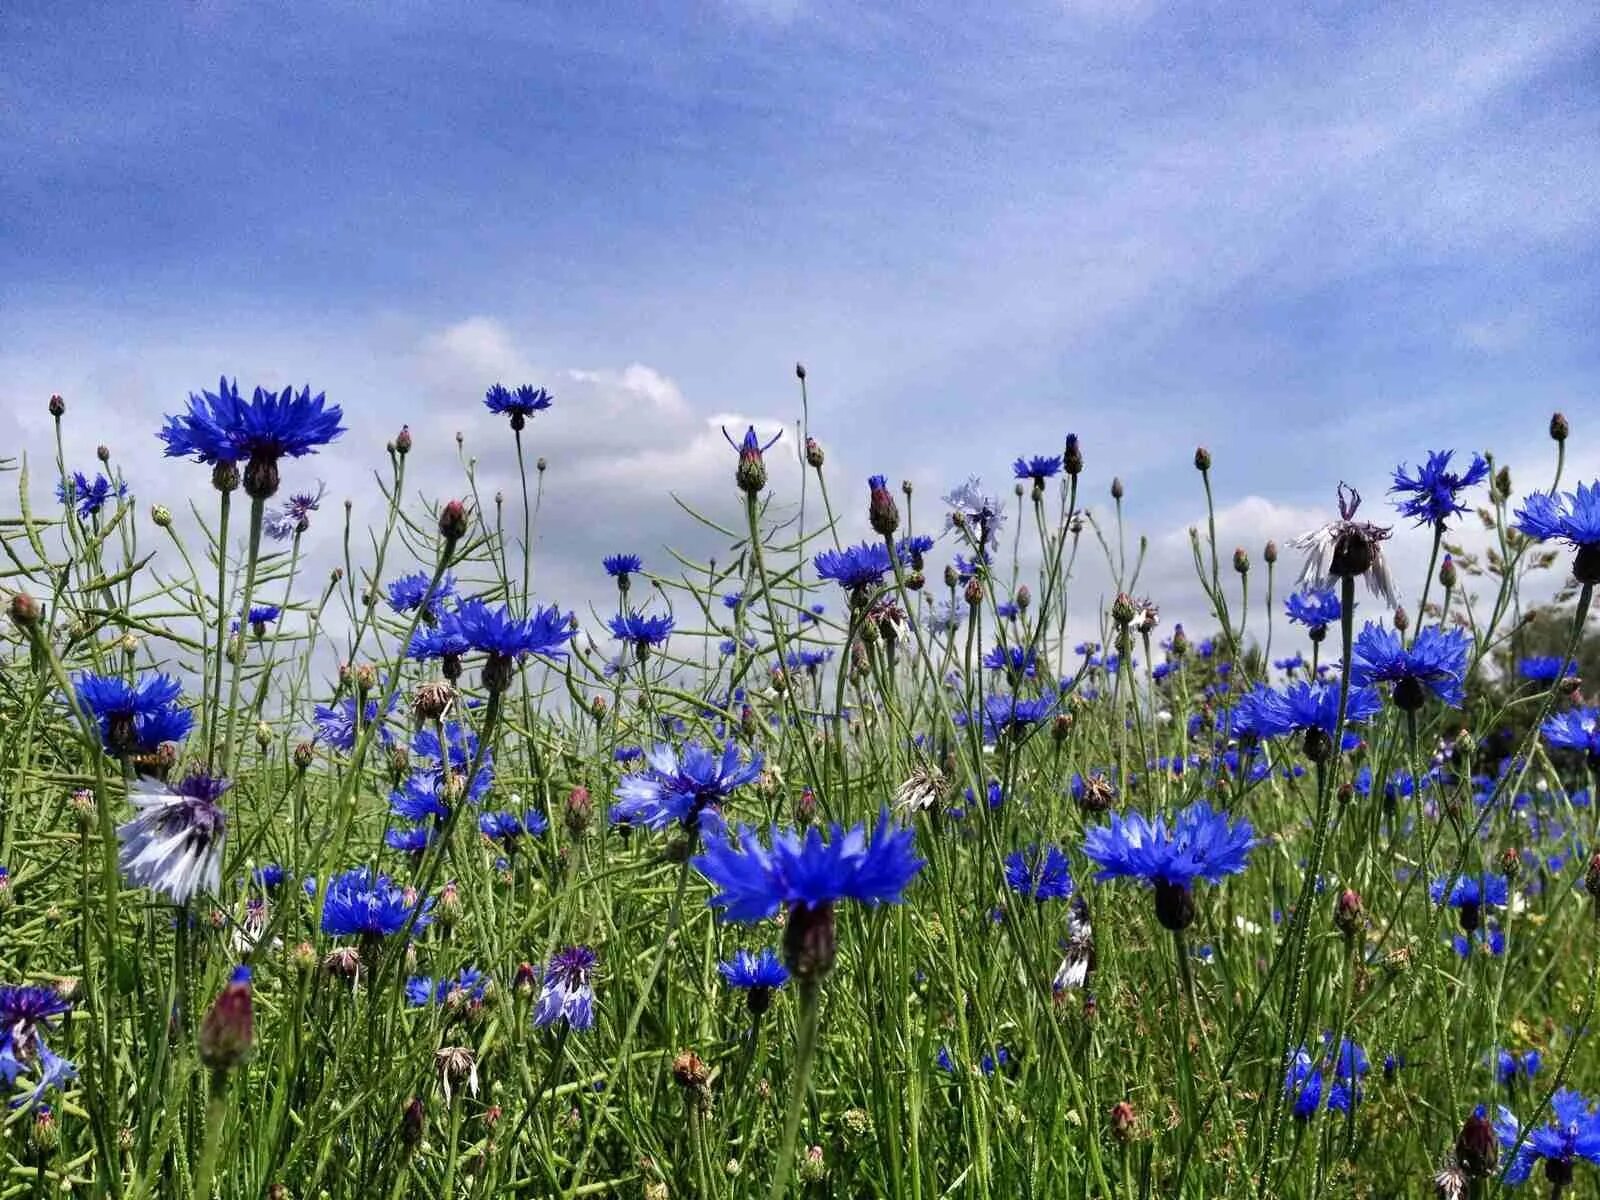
1319, 241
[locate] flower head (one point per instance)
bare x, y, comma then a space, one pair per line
568, 989
1436, 661
518, 404
1546, 668
1577, 729
26, 1014
1039, 875
1431, 494
1303, 706
640, 631
749, 972
855, 567
1304, 1081
134, 718
1038, 468
1316, 610
222, 429
337, 724
499, 634
174, 844
89, 497
407, 593
1200, 844
754, 881
973, 510
293, 515
1573, 1133
619, 566
362, 903
1571, 517
1002, 714
687, 787
1345, 549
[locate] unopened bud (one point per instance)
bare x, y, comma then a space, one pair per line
161, 515
1117, 491
1559, 429
579, 811
1348, 912
1269, 554
402, 441
1072, 456
814, 455
103, 452
1402, 620
1024, 598
1241, 560
1447, 573
25, 610
45, 1135
800, 371
1202, 459
882, 514
453, 521
1477, 1148
227, 1034
413, 1123
1124, 1121
304, 753
1122, 609
974, 593
57, 407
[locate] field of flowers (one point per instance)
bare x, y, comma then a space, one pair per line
822, 869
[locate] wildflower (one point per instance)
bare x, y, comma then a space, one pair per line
293, 516
1316, 610
1018, 662
1345, 549
1039, 875
856, 567
519, 405
1573, 517
1508, 1066
360, 902
1079, 959
1014, 714
687, 787
223, 430
808, 876
1201, 844
568, 989
1431, 494
757, 975
1469, 895
1574, 1134
1546, 668
500, 827
1304, 1080
640, 631
26, 1014
808, 660
337, 724
441, 642
505, 638
974, 510
89, 497
1578, 729
751, 474
920, 790
620, 566
227, 1032
407, 593
456, 1064
409, 841
134, 718
1038, 468
1305, 707
1435, 662
910, 550
174, 844
882, 514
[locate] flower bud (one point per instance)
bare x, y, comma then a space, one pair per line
813, 1167
1559, 429
413, 1123
950, 576
304, 753
1174, 906
1402, 619
453, 522
303, 957
1510, 863
57, 407
1117, 491
103, 453
974, 593
1502, 483
161, 515
800, 371
1122, 609
1447, 573
1202, 459
882, 514
45, 1135
1269, 554
814, 456
1241, 560
579, 811
1072, 456
1477, 1148
402, 441
1348, 913
25, 610
810, 942
1124, 1121
1024, 597
805, 808
227, 1034
263, 734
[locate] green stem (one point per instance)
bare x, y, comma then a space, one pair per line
805, 1052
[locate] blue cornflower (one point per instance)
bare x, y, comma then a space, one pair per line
471, 984
620, 566
1039, 875
409, 841
990, 1063
461, 747
1431, 494
687, 787
1304, 1080
751, 474
293, 515
1201, 844
1469, 894
500, 826
269, 876
407, 592
89, 497
519, 404
133, 718
1491, 938
1573, 517
1546, 668
26, 1014
1019, 662
1008, 713
1038, 468
1293, 663
805, 872
362, 903
1302, 707
336, 725
855, 567
1573, 1134
732, 600
221, 429
568, 989
946, 616
1577, 729
909, 550
1436, 662
1508, 1066
808, 660
262, 615
505, 637
441, 641
174, 844
640, 631
748, 971
1316, 610
980, 514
